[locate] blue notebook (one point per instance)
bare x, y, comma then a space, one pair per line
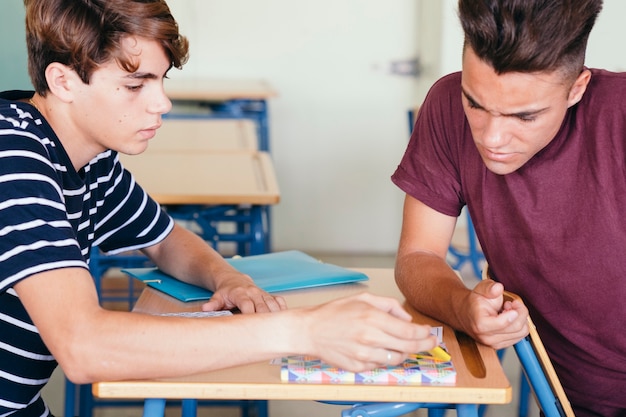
273, 272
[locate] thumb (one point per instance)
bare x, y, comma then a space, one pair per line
489, 289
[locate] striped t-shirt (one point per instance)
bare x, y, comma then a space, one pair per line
50, 217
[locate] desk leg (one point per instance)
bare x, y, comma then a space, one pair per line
154, 407
189, 408
259, 229
467, 410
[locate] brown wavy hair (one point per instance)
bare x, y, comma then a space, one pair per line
84, 34
529, 35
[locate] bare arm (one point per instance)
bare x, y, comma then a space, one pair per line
92, 344
433, 288
187, 257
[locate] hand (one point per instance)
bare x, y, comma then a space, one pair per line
492, 321
236, 290
363, 332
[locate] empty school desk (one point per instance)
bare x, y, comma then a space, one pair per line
262, 380
205, 135
209, 171
223, 98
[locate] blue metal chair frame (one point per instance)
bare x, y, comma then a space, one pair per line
473, 255
532, 370
397, 409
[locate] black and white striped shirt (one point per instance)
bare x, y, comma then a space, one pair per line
50, 217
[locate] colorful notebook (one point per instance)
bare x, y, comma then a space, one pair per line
273, 272
418, 369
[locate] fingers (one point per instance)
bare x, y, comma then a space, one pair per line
263, 303
252, 300
492, 321
389, 305
366, 332
504, 329
383, 358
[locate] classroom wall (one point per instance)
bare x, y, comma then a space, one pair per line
13, 68
339, 124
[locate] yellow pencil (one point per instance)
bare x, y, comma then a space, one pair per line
438, 353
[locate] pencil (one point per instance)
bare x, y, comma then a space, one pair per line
438, 353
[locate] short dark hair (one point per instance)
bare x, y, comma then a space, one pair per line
84, 34
529, 35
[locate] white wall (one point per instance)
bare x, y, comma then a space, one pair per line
605, 48
13, 67
452, 38
339, 125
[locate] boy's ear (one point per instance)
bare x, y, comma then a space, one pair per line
62, 81
579, 87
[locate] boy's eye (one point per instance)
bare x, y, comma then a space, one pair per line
134, 87
472, 104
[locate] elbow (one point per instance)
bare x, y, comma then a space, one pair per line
76, 366
76, 374
78, 356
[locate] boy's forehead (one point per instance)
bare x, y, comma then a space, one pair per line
511, 92
146, 55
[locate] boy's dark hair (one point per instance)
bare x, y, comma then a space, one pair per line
84, 34
529, 35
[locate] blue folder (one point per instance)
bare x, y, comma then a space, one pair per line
273, 272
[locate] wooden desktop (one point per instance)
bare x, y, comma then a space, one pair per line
262, 380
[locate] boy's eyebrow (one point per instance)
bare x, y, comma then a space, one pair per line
142, 76
469, 98
521, 114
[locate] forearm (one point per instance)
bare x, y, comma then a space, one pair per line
432, 287
187, 257
137, 346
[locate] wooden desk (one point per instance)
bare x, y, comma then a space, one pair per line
205, 178
207, 188
218, 90
262, 380
205, 135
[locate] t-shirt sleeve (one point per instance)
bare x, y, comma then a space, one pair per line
428, 170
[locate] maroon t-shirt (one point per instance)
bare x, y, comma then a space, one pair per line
554, 231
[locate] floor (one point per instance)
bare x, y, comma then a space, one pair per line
54, 392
